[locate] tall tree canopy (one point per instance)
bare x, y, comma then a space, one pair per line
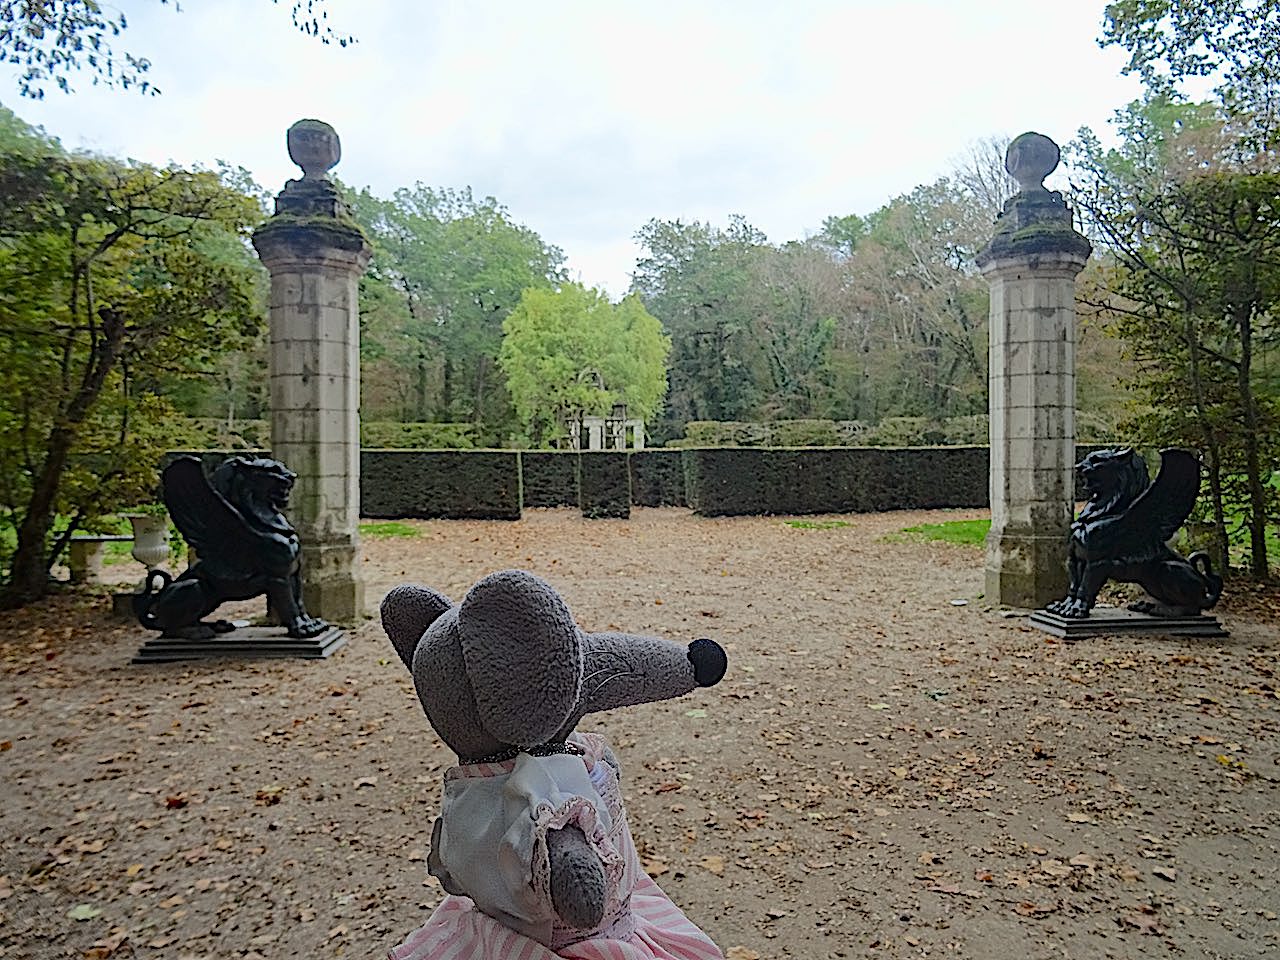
447, 269
1190, 281
52, 39
874, 316
113, 276
570, 350
1233, 43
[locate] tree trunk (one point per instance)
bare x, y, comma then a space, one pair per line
1257, 521
29, 576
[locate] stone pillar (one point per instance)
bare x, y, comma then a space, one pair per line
316, 255
1031, 264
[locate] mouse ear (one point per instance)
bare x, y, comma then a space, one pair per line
407, 611
523, 654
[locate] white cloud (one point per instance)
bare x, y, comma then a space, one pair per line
587, 119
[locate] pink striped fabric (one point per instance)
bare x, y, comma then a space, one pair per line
646, 924
458, 931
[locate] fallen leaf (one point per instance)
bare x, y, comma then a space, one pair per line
1144, 920
1055, 868
1029, 909
713, 863
655, 866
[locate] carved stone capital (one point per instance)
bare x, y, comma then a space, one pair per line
1036, 224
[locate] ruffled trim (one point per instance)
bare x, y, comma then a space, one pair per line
582, 813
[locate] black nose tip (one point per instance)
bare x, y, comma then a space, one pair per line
709, 661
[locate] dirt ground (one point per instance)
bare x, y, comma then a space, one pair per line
883, 772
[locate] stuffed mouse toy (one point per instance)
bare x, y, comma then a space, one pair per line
532, 843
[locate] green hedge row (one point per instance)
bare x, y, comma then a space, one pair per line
657, 478
890, 432
549, 478
498, 484
744, 480
449, 484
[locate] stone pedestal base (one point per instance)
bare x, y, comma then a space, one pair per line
1113, 622
332, 588
240, 644
338, 599
1025, 570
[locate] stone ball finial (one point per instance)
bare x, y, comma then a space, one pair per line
1030, 158
315, 147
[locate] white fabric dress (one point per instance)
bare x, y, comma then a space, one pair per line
493, 843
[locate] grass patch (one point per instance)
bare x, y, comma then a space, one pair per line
387, 529
967, 532
817, 524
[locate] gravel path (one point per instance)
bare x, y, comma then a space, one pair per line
882, 772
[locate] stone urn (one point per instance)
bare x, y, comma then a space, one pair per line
150, 538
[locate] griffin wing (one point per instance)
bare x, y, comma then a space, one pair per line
1161, 509
203, 516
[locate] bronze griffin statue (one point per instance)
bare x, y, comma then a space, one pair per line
1122, 530
235, 522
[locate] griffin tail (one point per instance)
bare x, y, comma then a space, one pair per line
1212, 582
142, 601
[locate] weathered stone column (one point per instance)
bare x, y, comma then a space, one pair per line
316, 254
1031, 264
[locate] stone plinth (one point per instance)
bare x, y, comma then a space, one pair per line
1114, 622
1031, 264
244, 643
316, 254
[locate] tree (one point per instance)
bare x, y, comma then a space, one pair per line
692, 277
570, 349
112, 275
447, 269
1192, 285
50, 39
1236, 43
920, 307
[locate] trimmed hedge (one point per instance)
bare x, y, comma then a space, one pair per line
549, 478
734, 481
604, 484
494, 484
398, 435
446, 484
657, 478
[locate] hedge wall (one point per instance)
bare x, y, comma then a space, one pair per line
449, 484
604, 484
730, 481
657, 478
493, 484
549, 478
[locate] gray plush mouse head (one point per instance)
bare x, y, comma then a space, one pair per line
508, 670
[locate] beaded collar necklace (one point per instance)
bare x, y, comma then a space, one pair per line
541, 750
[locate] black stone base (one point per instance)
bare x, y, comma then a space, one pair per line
1119, 622
246, 643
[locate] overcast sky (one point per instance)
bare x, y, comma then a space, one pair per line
587, 119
